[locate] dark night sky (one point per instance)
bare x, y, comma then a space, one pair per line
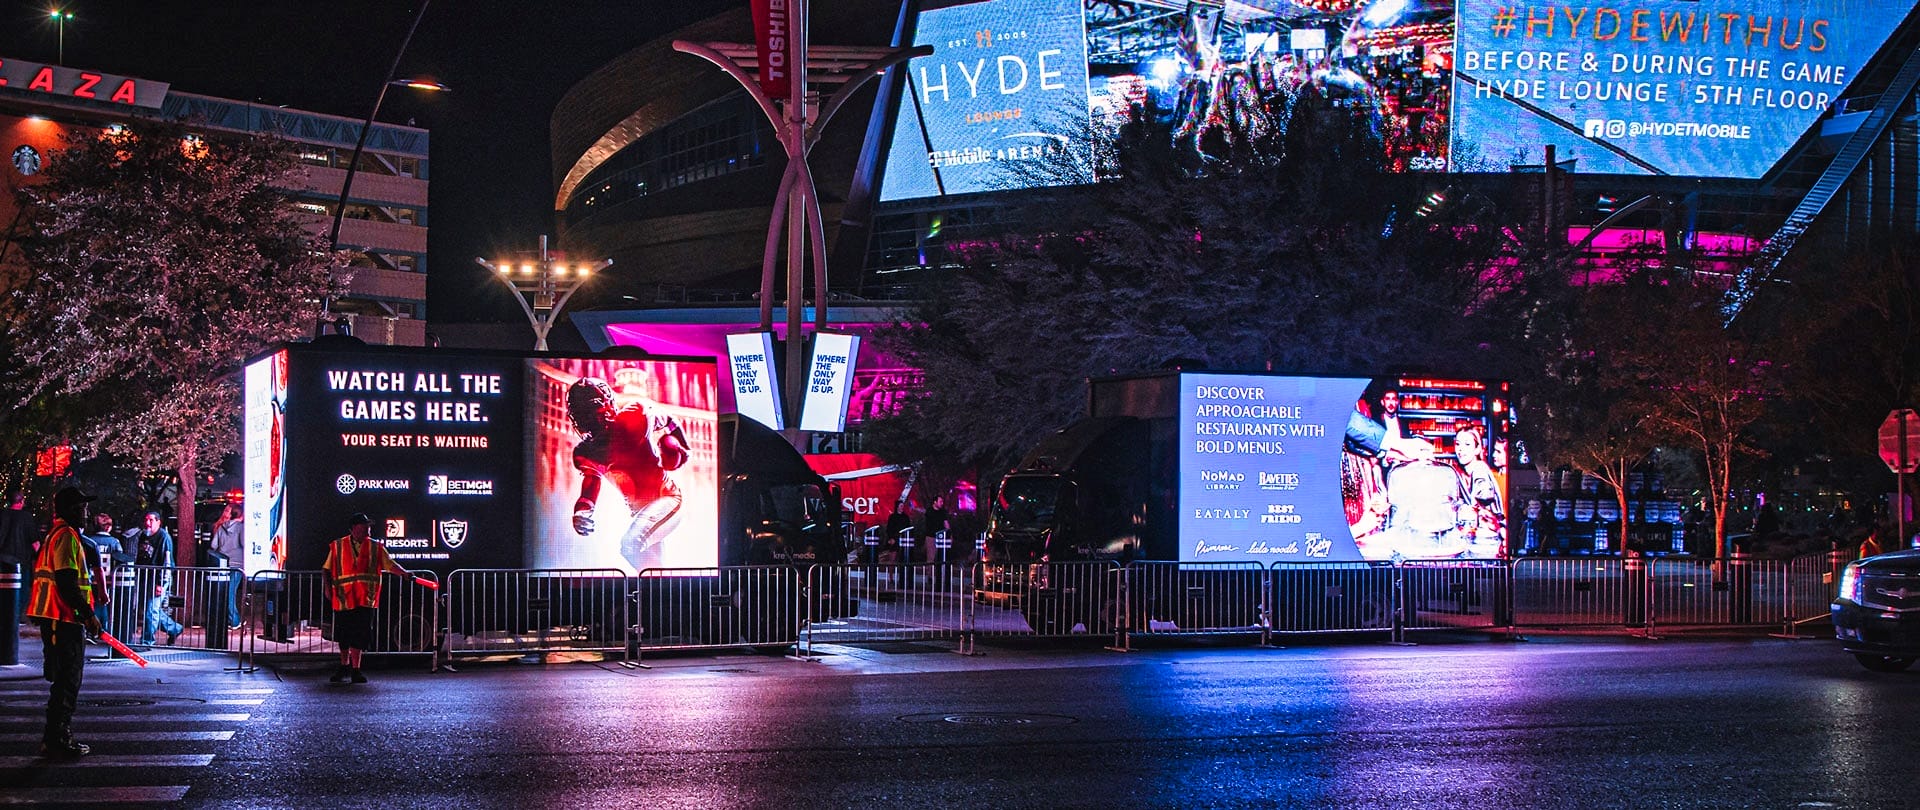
507, 62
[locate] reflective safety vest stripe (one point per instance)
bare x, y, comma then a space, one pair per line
60, 551
355, 571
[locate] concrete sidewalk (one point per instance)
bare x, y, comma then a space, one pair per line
161, 661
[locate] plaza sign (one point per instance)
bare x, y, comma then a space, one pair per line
85, 85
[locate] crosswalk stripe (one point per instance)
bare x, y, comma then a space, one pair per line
89, 692
130, 736
99, 796
89, 718
115, 761
235, 701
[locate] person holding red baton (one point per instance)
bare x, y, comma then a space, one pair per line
62, 605
354, 564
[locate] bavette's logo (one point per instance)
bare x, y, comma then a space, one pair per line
442, 485
1279, 481
347, 484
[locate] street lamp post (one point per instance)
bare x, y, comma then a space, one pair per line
797, 119
60, 18
353, 160
543, 286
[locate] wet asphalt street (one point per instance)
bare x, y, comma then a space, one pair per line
1552, 722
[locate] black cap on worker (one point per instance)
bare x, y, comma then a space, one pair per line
69, 497
359, 519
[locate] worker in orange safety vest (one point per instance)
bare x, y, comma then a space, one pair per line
354, 564
62, 604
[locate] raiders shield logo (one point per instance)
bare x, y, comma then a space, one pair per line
453, 533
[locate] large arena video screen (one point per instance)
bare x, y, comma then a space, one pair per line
478, 461
1677, 87
1341, 469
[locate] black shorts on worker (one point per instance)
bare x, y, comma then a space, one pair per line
353, 629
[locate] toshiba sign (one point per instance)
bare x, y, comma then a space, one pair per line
86, 85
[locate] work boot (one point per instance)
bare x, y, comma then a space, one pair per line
64, 749
359, 678
341, 674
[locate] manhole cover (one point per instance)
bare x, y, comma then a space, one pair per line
991, 719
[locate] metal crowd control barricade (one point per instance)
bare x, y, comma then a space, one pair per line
536, 611
717, 608
1455, 594
1570, 591
1331, 597
292, 616
1812, 582
1688, 591
1207, 598
163, 596
1048, 599
915, 602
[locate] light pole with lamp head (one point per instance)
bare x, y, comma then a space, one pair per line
60, 18
366, 127
543, 286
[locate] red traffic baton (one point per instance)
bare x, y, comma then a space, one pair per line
122, 648
426, 583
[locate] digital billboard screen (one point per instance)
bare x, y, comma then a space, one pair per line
1003, 94
1675, 87
1301, 469
482, 461
1680, 87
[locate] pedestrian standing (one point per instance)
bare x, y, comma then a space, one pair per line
228, 542
354, 564
932, 523
62, 605
152, 543
107, 547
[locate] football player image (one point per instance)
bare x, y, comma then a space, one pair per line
623, 445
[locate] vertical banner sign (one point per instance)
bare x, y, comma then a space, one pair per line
772, 26
750, 366
829, 382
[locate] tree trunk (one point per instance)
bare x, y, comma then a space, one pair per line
185, 547
1626, 518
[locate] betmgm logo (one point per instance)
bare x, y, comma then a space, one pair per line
1604, 128
442, 485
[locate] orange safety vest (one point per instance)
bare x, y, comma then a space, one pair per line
355, 571
60, 551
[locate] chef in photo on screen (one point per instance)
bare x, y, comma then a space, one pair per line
622, 444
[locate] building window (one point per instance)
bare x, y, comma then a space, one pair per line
727, 136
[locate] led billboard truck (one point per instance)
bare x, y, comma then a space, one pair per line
1667, 87
1222, 470
504, 461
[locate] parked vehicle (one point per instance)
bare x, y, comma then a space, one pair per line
1877, 614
